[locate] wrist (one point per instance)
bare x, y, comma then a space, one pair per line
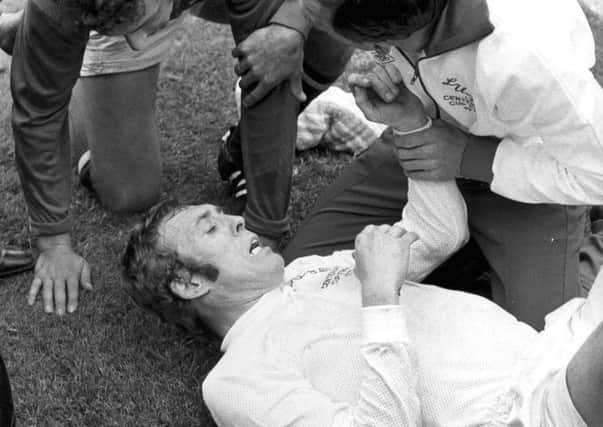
291, 33
416, 126
44, 243
478, 158
291, 15
370, 299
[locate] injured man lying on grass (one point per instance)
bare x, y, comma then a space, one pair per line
352, 339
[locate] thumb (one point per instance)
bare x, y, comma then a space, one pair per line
295, 84
409, 238
362, 100
85, 277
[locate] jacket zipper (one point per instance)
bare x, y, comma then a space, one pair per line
417, 76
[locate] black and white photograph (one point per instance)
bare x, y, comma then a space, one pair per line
301, 213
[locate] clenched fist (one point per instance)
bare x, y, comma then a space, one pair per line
382, 255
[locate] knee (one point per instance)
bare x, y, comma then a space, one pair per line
132, 197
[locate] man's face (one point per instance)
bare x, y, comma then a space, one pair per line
154, 14
203, 234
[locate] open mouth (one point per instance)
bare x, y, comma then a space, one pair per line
255, 247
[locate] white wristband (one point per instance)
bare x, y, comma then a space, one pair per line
417, 130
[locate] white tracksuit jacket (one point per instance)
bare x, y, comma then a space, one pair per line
518, 70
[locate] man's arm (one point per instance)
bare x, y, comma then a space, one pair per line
435, 210
547, 105
47, 56
270, 47
291, 15
554, 151
437, 213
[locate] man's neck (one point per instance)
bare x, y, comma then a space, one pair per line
221, 317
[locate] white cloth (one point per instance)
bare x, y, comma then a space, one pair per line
529, 83
297, 359
334, 119
307, 354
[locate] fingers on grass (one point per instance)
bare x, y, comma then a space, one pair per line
73, 286
86, 277
36, 284
47, 295
59, 296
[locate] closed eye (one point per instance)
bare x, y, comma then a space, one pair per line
211, 229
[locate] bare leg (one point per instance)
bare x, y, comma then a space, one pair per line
585, 379
114, 116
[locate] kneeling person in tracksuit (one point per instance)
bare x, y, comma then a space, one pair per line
495, 93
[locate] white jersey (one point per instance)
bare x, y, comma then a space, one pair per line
307, 354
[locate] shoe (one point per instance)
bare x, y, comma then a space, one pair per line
14, 261
596, 219
83, 171
230, 167
596, 213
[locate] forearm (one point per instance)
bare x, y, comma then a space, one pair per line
437, 213
291, 15
528, 171
388, 394
47, 57
478, 158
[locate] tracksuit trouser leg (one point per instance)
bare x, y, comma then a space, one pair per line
268, 130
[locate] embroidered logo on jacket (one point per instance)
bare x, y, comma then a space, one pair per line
461, 96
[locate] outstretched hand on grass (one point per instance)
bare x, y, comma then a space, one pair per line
382, 255
268, 57
59, 273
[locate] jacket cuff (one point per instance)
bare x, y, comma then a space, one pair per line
478, 158
291, 15
384, 324
41, 229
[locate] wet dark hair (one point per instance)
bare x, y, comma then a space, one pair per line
382, 20
148, 270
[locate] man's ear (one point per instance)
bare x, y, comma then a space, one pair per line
190, 287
